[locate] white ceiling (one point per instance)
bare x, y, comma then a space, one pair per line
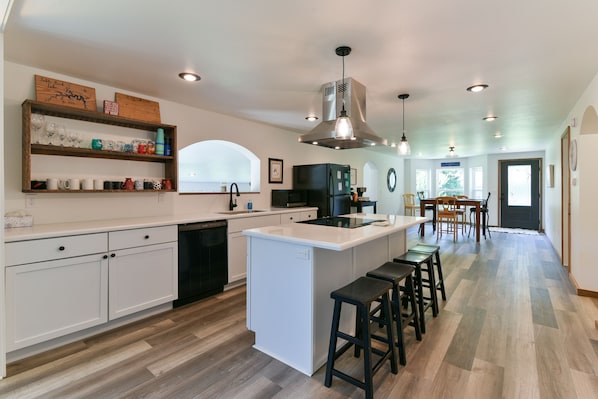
266, 60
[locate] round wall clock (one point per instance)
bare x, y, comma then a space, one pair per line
573, 155
391, 180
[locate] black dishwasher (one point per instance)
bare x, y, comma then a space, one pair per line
203, 263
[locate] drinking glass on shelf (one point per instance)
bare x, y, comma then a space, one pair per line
37, 122
51, 130
62, 136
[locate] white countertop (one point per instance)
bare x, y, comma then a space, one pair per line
335, 238
97, 226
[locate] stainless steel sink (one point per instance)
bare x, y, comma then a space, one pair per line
236, 212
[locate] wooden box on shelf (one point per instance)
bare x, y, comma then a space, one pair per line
30, 148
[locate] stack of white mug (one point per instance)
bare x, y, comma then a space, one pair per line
54, 183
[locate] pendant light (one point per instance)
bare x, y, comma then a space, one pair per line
404, 148
343, 128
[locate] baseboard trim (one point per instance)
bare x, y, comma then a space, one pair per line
582, 292
589, 293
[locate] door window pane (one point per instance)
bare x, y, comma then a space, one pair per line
520, 188
449, 181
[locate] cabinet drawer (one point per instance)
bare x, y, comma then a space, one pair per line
290, 217
140, 237
22, 252
241, 224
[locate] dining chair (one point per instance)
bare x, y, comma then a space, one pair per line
428, 207
462, 213
483, 214
446, 211
410, 206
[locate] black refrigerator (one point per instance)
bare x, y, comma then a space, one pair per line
328, 187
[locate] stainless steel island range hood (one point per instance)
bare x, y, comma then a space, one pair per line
324, 134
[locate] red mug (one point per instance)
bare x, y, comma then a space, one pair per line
128, 184
166, 184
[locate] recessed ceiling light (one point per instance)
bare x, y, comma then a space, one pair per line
189, 76
314, 142
477, 88
393, 145
497, 135
311, 118
490, 118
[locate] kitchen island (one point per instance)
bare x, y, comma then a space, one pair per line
291, 270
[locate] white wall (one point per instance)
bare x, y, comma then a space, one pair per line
584, 193
2, 296
193, 125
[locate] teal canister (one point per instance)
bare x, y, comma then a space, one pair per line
160, 141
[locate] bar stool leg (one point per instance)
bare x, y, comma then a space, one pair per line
440, 276
336, 315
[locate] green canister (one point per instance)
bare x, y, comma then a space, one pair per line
160, 141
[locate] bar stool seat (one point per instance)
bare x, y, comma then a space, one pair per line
435, 251
362, 293
423, 264
395, 273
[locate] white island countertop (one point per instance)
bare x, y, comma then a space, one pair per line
336, 238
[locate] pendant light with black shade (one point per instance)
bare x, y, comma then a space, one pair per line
404, 148
343, 127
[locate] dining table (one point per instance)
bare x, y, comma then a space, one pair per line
477, 203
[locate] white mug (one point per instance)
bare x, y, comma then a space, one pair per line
52, 183
98, 184
64, 184
87, 184
73, 184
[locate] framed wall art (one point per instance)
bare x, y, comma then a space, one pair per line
275, 170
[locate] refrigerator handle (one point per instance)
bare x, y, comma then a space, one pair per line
330, 195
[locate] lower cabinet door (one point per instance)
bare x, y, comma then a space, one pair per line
141, 278
237, 257
47, 300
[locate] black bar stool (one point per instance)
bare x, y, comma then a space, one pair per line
361, 293
395, 273
423, 264
435, 251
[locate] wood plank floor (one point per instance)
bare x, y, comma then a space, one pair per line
512, 327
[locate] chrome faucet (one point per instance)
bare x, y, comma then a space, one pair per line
232, 204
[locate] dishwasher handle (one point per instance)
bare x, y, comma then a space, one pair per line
212, 224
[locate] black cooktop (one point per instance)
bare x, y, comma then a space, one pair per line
341, 221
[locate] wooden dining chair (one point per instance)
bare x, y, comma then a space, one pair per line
411, 209
446, 211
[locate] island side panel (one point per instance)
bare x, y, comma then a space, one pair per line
333, 270
280, 300
397, 244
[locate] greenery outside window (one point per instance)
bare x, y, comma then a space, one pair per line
449, 182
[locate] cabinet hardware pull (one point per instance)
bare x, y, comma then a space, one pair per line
61, 248
146, 237
112, 255
105, 257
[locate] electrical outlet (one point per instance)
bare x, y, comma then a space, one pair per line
29, 201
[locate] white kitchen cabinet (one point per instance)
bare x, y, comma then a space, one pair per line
49, 299
57, 286
143, 269
237, 243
